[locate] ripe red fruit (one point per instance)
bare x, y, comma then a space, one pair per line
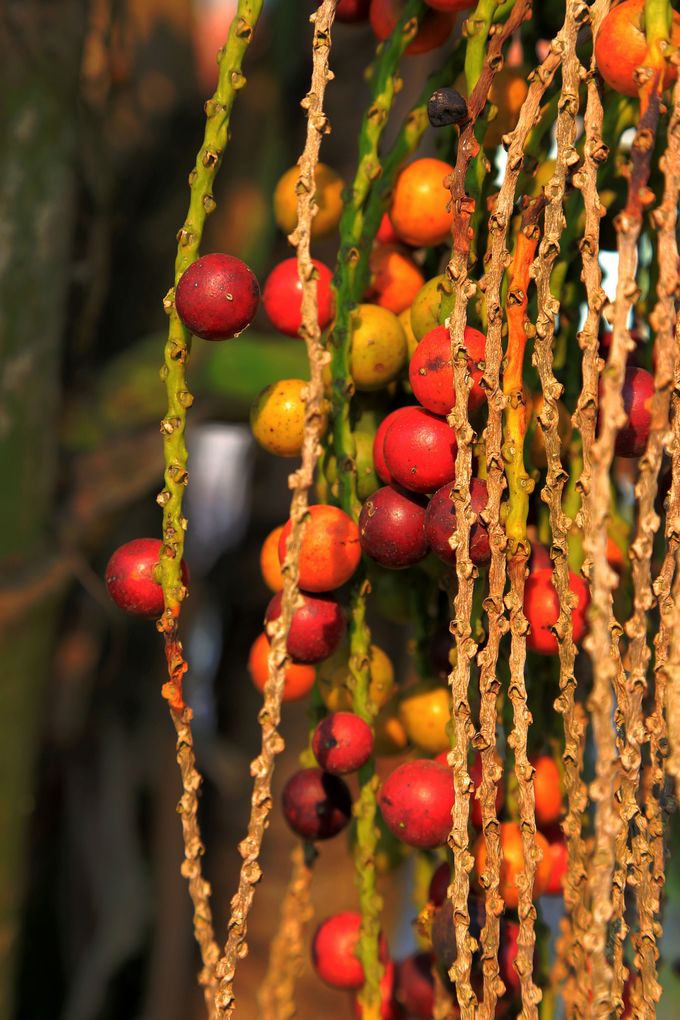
351, 11
451, 5
392, 528
547, 790
416, 801
637, 393
342, 743
431, 372
386, 232
316, 629
440, 523
420, 450
475, 773
559, 859
334, 951
389, 1007
379, 448
415, 985
541, 608
434, 29
217, 297
330, 550
507, 956
282, 296
316, 805
621, 47
130, 577
439, 883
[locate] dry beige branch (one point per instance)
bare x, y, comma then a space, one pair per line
276, 997
485, 741
300, 482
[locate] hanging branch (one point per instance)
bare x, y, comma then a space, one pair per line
276, 997
300, 482
201, 203
571, 951
466, 647
647, 841
611, 856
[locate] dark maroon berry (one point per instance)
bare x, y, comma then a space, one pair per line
443, 932
440, 523
439, 883
439, 648
316, 628
217, 297
415, 985
316, 805
131, 580
342, 743
638, 391
392, 528
352, 11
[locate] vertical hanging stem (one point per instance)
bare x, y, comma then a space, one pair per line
300, 482
201, 203
499, 223
276, 997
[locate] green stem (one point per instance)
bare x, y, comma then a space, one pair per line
201, 203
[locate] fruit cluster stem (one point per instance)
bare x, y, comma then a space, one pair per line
300, 482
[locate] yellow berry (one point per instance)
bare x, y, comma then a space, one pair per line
379, 347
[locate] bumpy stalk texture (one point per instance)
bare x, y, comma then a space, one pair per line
300, 482
571, 952
463, 205
276, 997
487, 659
201, 203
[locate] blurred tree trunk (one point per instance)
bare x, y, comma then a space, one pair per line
40, 45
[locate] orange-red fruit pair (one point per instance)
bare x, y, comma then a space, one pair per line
330, 550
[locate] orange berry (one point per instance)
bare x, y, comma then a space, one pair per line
330, 550
547, 790
300, 677
395, 278
328, 197
512, 863
419, 212
269, 560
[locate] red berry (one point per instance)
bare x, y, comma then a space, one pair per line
392, 528
316, 805
389, 1007
379, 448
440, 523
451, 5
351, 11
507, 956
435, 26
316, 629
420, 450
217, 297
342, 742
282, 296
637, 393
547, 790
386, 232
416, 801
559, 858
334, 951
431, 372
541, 608
439, 884
415, 985
130, 577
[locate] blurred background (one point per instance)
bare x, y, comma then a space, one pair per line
101, 116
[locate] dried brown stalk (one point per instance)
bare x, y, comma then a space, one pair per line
466, 647
615, 778
300, 482
485, 741
571, 952
276, 997
646, 989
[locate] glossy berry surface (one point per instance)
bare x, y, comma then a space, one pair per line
541, 608
316, 805
342, 743
130, 577
420, 450
379, 448
621, 47
431, 370
316, 628
282, 296
334, 951
392, 528
419, 210
637, 393
330, 549
217, 297
440, 524
547, 790
435, 26
299, 677
415, 985
395, 278
416, 802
